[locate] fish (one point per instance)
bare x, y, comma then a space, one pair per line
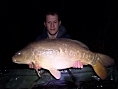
61, 53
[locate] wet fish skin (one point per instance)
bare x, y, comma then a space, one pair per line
62, 53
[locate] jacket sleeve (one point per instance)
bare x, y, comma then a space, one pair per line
39, 38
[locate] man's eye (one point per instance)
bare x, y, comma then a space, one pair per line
48, 22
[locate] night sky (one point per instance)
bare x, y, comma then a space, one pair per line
95, 23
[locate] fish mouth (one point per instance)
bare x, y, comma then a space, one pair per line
13, 59
16, 61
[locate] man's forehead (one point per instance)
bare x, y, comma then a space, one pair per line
51, 17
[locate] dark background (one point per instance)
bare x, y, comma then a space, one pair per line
95, 23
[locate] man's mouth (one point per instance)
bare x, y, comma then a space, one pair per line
52, 29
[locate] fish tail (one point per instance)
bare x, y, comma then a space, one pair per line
106, 60
100, 70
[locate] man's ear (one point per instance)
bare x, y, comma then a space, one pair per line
44, 24
59, 23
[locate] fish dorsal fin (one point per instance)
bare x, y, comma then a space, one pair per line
80, 43
55, 73
106, 60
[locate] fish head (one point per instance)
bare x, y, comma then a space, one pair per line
24, 56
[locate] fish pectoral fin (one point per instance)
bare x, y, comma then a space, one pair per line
55, 73
38, 72
35, 67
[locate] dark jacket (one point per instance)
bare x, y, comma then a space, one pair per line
61, 34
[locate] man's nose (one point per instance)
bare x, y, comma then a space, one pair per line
52, 25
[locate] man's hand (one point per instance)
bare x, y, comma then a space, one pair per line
77, 64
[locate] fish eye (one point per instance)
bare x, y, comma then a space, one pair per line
19, 53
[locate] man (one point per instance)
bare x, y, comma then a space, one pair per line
53, 29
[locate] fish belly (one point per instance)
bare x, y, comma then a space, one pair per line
57, 62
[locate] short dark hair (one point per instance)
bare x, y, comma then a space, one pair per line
52, 12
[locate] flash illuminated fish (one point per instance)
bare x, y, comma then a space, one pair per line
61, 53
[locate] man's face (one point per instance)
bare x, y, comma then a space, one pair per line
52, 24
